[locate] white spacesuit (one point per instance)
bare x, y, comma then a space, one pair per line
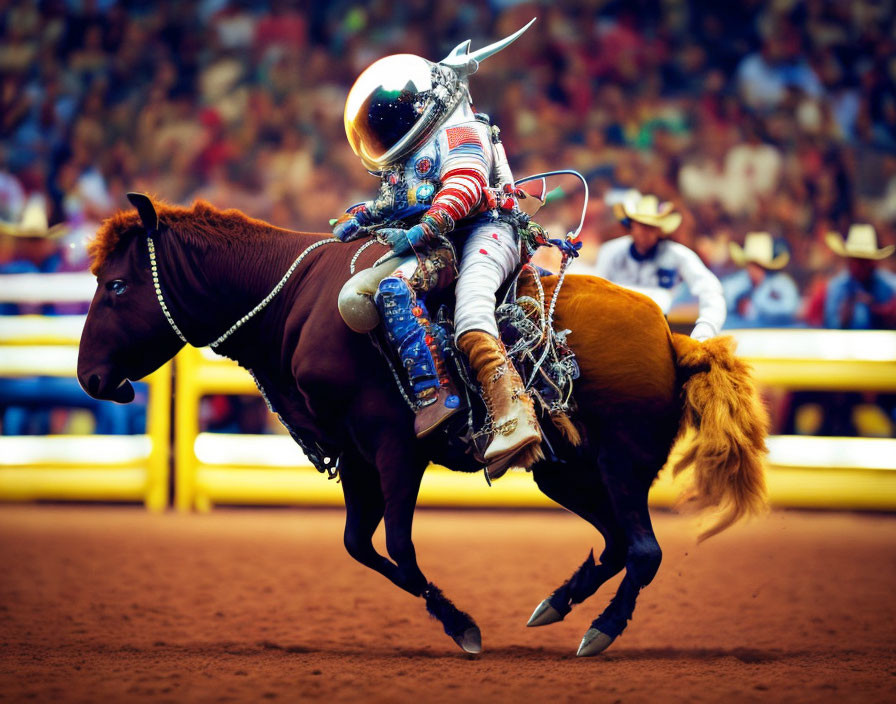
443, 175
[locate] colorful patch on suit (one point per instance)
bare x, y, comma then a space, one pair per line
666, 277
424, 193
461, 135
424, 166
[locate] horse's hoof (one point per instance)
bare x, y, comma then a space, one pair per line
544, 614
594, 642
470, 640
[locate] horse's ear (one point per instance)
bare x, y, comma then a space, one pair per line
146, 209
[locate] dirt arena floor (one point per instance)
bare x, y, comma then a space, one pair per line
110, 604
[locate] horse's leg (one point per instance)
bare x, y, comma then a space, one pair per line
370, 498
400, 490
585, 495
628, 482
364, 508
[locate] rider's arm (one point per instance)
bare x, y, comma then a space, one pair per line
609, 256
706, 287
464, 176
349, 224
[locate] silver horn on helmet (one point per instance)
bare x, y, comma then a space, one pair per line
466, 63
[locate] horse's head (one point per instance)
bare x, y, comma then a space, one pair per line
126, 335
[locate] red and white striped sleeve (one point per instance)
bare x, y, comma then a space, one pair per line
465, 172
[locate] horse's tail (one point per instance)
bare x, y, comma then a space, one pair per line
722, 407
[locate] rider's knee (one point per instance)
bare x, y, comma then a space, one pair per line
487, 266
394, 288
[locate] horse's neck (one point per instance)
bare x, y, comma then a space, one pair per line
223, 282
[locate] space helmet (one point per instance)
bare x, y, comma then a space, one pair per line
399, 101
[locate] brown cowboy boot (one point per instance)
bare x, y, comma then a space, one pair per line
516, 436
435, 412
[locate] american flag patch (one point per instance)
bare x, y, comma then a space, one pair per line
461, 135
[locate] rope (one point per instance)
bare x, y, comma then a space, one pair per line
267, 299
564, 172
549, 319
155, 282
248, 316
351, 268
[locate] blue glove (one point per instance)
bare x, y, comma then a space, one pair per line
348, 230
568, 248
403, 241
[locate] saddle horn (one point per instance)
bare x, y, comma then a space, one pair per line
146, 210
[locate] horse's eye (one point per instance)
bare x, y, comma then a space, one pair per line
117, 286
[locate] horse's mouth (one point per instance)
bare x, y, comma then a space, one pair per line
123, 393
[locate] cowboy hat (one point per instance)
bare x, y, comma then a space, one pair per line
648, 210
33, 222
861, 243
759, 248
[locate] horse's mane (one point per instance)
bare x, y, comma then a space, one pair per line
200, 223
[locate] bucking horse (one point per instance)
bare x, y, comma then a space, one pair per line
267, 297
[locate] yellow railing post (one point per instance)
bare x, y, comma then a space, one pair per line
186, 428
158, 428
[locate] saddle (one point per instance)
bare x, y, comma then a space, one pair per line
541, 355
539, 352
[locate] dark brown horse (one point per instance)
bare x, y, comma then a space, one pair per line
169, 275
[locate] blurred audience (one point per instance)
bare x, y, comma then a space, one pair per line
33, 248
863, 296
761, 294
777, 116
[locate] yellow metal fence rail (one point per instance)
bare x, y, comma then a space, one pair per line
804, 471
271, 469
87, 467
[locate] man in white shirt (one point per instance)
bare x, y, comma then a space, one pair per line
648, 262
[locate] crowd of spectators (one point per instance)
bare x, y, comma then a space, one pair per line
774, 116
751, 116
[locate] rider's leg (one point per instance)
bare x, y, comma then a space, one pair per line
490, 255
406, 322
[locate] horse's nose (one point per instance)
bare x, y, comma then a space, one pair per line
93, 384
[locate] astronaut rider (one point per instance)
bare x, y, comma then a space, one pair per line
411, 122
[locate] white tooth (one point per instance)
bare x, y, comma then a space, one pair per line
123, 382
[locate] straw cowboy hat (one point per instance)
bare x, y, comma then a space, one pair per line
648, 210
33, 222
861, 243
759, 248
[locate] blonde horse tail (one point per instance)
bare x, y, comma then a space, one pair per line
729, 424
